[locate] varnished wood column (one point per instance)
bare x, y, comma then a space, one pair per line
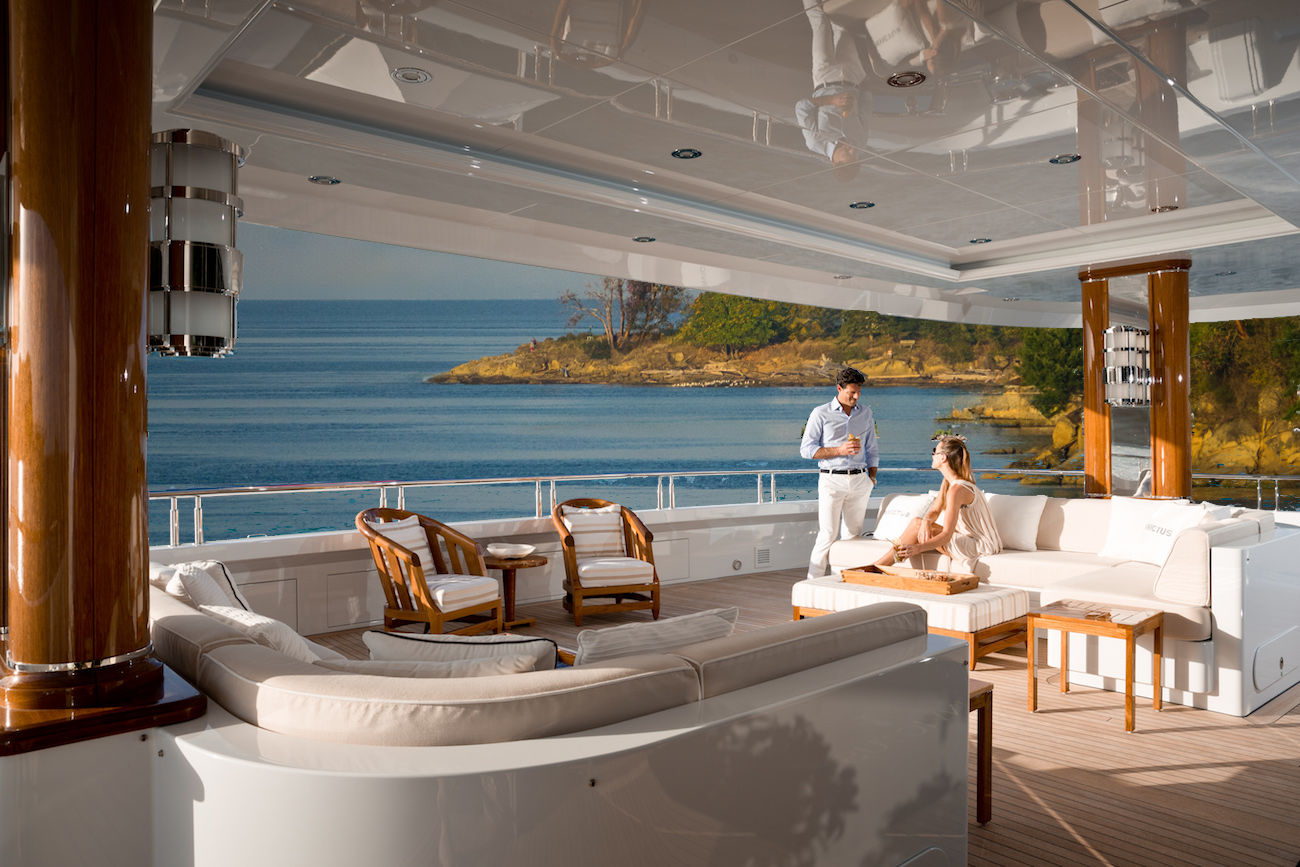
1096, 412
79, 75
1171, 407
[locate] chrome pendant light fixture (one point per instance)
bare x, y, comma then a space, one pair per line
195, 271
1127, 353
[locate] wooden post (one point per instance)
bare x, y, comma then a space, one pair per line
77, 607
1171, 387
1096, 412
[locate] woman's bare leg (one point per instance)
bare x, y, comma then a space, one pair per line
908, 537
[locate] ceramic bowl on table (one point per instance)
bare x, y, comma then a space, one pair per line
507, 549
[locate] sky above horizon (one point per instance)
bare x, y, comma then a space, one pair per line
283, 264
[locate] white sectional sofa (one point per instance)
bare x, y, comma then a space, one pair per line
647, 759
1225, 579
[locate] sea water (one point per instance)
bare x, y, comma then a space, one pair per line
334, 391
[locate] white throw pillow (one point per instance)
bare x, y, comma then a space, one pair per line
1016, 518
1215, 512
266, 631
209, 582
1148, 529
489, 667
410, 647
895, 33
899, 513
658, 636
596, 532
410, 535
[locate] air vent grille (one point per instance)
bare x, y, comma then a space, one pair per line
762, 556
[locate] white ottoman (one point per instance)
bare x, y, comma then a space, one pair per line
987, 618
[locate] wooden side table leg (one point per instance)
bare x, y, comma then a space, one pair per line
1158, 649
983, 707
1065, 660
1130, 646
1031, 647
508, 585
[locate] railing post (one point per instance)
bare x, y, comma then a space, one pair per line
174, 522
1259, 493
537, 498
383, 497
553, 500
760, 489
198, 520
772, 480
672, 492
401, 497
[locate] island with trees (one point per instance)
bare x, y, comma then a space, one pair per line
1245, 373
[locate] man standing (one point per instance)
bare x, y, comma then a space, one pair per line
841, 437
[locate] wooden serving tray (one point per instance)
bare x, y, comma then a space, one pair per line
920, 580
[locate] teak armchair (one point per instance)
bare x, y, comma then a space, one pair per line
607, 555
431, 574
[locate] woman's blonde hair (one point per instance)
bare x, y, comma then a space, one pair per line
954, 449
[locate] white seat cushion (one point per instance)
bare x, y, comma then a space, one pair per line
453, 592
1037, 569
614, 571
1133, 585
971, 611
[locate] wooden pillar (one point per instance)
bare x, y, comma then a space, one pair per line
1096, 412
1171, 372
79, 75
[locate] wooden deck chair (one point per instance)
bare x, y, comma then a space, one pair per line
431, 574
607, 556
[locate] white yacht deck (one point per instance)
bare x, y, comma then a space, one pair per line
1070, 787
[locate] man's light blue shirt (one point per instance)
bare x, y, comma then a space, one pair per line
828, 427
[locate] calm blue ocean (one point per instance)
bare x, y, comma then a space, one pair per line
335, 392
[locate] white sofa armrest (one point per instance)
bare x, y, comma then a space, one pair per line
1185, 576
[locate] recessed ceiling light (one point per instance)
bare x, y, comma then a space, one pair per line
861, 206
843, 276
411, 75
1225, 273
1164, 209
980, 240
1011, 300
687, 153
905, 79
1064, 159
643, 239
323, 180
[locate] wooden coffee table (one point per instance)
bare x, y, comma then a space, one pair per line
508, 567
1094, 618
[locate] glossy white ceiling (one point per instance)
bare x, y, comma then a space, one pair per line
545, 129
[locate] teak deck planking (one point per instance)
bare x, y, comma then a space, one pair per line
1070, 786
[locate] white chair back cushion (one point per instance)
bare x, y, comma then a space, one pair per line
410, 535
596, 532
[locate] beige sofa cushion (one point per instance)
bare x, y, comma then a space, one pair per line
1073, 525
181, 634
1133, 584
274, 692
747, 658
1036, 569
490, 666
1185, 576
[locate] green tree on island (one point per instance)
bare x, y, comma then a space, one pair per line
629, 311
732, 321
1051, 360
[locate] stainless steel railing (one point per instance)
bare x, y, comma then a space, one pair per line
545, 496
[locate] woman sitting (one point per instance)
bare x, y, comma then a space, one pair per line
958, 522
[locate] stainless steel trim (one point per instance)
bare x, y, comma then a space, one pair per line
230, 200
54, 667
199, 138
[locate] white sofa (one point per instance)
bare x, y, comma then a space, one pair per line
646, 759
1221, 605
